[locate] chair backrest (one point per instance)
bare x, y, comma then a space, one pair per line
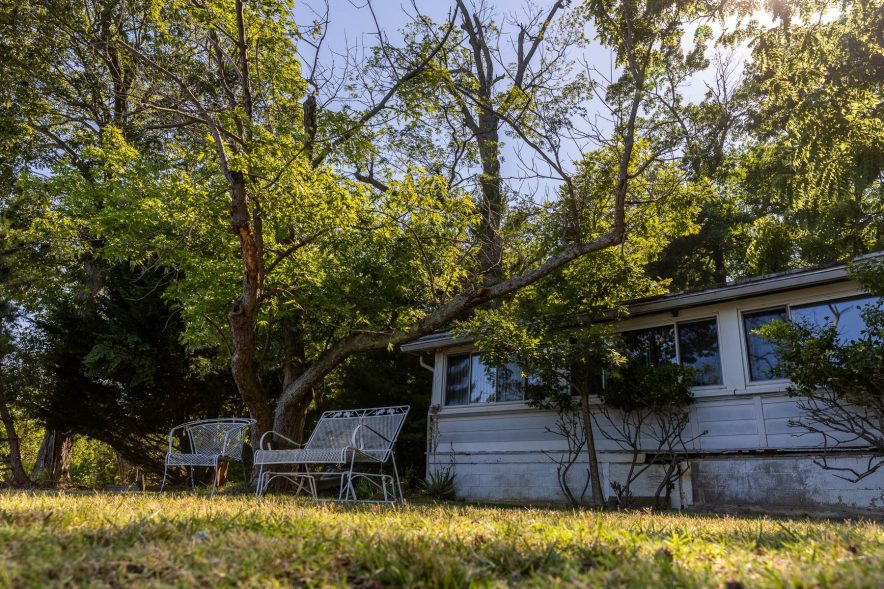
225, 437
381, 427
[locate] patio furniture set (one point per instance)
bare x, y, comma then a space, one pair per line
345, 448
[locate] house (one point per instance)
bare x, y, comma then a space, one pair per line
744, 449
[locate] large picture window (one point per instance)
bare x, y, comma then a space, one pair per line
693, 344
468, 380
844, 314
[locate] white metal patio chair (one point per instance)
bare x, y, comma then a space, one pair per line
212, 441
345, 439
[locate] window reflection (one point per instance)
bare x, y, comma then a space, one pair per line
698, 349
509, 383
469, 380
483, 380
845, 315
457, 380
656, 344
763, 358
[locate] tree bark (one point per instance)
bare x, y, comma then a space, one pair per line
596, 495
54, 457
243, 319
19, 476
291, 423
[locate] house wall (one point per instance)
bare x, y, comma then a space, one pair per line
746, 451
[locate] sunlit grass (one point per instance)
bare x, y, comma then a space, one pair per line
190, 540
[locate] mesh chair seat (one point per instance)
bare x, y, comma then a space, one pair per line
318, 456
174, 459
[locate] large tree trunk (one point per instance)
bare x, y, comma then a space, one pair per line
243, 318
492, 196
53, 463
19, 476
291, 421
597, 498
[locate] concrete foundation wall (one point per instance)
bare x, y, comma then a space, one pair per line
786, 482
751, 482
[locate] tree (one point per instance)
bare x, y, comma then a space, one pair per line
182, 136
118, 372
814, 165
8, 395
658, 203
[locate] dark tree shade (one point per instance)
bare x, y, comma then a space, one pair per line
119, 371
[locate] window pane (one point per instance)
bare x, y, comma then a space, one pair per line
656, 345
483, 377
509, 383
763, 358
457, 380
698, 348
844, 314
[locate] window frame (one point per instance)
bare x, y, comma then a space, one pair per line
714, 317
744, 344
469, 404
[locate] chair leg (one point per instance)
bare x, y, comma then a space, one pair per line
165, 472
350, 488
260, 482
214, 481
191, 478
397, 482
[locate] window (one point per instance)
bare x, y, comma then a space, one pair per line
693, 344
763, 358
656, 345
698, 349
845, 315
457, 380
468, 380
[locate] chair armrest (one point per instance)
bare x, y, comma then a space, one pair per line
289, 440
172, 435
368, 427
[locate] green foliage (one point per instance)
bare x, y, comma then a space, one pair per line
560, 327
116, 370
818, 363
93, 464
839, 384
815, 112
635, 385
870, 274
439, 484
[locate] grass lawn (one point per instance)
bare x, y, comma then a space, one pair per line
80, 539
